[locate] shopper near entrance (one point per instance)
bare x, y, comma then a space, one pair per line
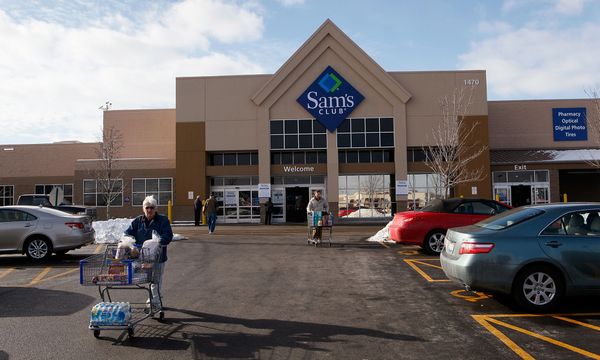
197, 210
318, 203
142, 227
268, 211
210, 209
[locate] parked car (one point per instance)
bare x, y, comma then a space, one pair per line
427, 227
44, 200
536, 253
38, 231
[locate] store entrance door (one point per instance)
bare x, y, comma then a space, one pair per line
296, 201
521, 195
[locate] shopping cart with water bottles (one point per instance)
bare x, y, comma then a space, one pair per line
108, 271
320, 227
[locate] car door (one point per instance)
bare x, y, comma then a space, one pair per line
575, 247
470, 212
15, 225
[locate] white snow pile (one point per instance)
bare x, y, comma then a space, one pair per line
382, 235
110, 231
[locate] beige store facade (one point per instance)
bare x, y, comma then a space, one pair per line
236, 135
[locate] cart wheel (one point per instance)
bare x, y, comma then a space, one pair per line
96, 333
130, 332
161, 316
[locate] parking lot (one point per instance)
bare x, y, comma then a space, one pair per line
261, 292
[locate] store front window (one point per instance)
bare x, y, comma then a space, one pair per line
524, 187
422, 188
364, 196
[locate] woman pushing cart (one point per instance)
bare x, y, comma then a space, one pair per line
112, 270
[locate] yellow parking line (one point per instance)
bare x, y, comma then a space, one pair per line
427, 264
6, 272
482, 319
580, 323
59, 275
40, 276
99, 249
383, 244
421, 272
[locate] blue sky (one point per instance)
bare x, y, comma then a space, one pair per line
62, 59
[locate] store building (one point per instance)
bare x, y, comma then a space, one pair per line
331, 119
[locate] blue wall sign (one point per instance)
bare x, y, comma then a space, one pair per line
330, 99
569, 124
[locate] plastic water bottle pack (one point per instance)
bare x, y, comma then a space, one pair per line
110, 313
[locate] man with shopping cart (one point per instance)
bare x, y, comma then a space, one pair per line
142, 228
317, 203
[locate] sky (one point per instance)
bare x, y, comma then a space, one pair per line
61, 60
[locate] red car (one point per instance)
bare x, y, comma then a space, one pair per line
427, 227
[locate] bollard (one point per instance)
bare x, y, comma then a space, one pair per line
565, 197
203, 213
498, 197
170, 211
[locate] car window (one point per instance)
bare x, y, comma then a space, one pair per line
11, 215
581, 223
482, 208
497, 206
509, 218
464, 208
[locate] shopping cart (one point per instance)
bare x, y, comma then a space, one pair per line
319, 225
106, 272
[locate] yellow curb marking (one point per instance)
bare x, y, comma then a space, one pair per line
6, 272
99, 249
485, 321
412, 263
472, 298
40, 276
383, 244
59, 275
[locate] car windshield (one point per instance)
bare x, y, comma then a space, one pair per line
509, 218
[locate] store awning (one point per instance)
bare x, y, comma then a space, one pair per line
504, 157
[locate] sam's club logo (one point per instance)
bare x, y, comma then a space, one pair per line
330, 99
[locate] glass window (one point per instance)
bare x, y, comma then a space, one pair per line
243, 158
216, 159
372, 140
165, 185
320, 141
39, 189
152, 185
216, 181
291, 141
364, 196
305, 141
286, 158
419, 155
317, 179
377, 156
500, 176
364, 156
305, 126
509, 218
311, 157
299, 158
358, 140
344, 127
388, 155
322, 157
254, 158
357, 125
520, 176
160, 188
229, 159
138, 185
94, 197
386, 124
541, 176
291, 126
318, 128
275, 158
342, 157
276, 141
373, 125
387, 139
276, 127
352, 157
6, 195
343, 140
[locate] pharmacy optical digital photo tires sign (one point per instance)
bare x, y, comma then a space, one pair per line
330, 99
569, 124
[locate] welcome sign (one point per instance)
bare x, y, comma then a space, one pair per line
569, 124
330, 99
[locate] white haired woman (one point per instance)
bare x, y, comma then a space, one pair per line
141, 228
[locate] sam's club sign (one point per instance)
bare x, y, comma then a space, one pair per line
569, 124
330, 99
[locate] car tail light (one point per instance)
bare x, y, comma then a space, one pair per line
475, 248
75, 225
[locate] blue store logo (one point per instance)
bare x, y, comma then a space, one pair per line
330, 99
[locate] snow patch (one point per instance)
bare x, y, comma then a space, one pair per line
110, 231
383, 235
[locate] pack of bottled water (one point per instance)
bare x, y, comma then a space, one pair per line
110, 313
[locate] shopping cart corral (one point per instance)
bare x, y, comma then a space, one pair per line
108, 273
320, 226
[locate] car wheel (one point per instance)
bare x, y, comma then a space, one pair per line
38, 249
538, 288
434, 242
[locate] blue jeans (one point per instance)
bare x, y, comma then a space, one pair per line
212, 221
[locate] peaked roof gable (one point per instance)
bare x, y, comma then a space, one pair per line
328, 28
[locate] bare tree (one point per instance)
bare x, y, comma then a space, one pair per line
593, 123
371, 185
452, 150
109, 179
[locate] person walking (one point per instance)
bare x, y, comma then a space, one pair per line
141, 228
210, 209
197, 210
268, 211
318, 203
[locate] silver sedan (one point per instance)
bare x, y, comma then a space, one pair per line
38, 232
537, 253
